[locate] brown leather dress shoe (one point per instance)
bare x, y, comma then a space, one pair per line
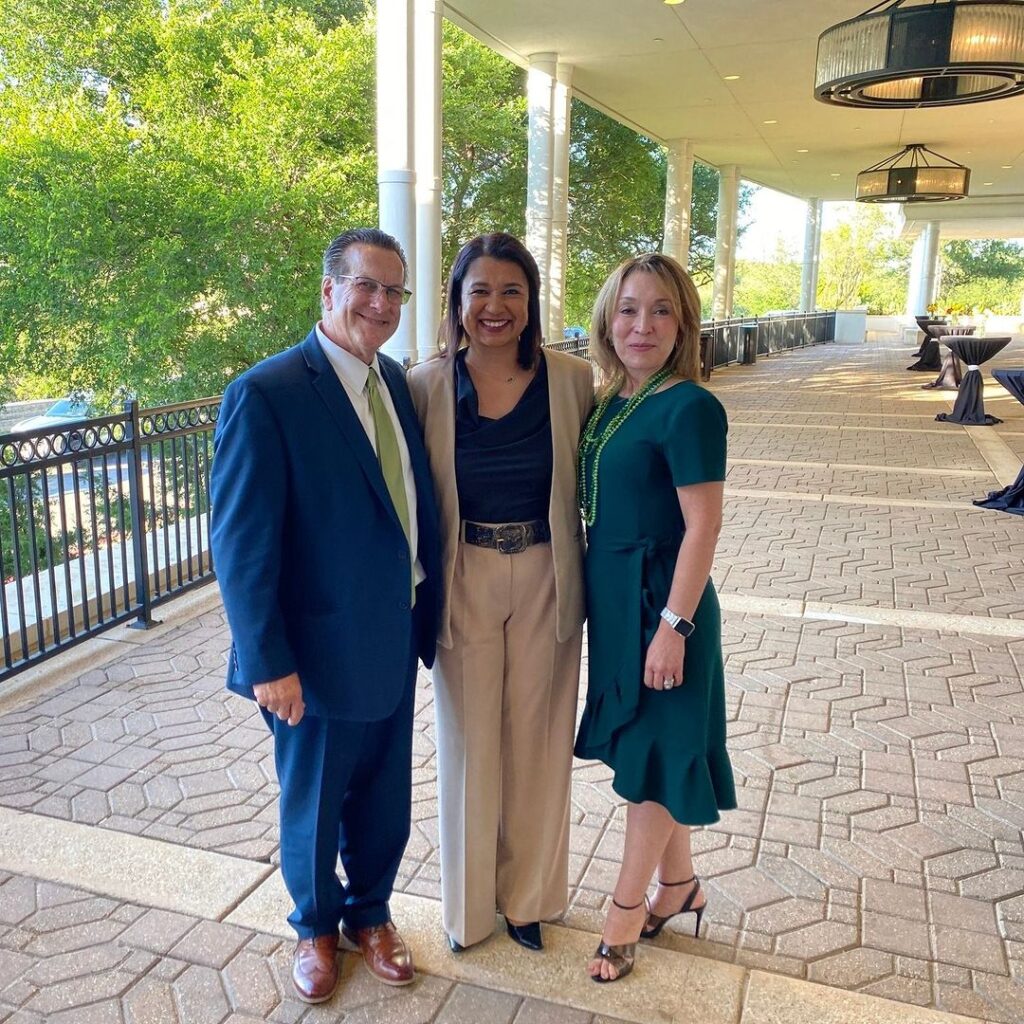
315, 968
384, 953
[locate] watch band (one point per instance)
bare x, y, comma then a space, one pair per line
684, 627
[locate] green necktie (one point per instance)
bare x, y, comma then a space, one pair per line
389, 455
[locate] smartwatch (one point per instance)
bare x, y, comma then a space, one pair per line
684, 627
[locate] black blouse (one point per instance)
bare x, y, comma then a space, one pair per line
503, 467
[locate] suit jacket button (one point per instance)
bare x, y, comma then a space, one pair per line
404, 605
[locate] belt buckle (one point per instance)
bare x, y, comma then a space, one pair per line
511, 538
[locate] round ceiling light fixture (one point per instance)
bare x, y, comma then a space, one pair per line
907, 53
916, 174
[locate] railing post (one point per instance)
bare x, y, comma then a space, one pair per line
138, 507
707, 353
749, 354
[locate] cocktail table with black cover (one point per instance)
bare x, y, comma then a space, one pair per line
950, 375
922, 321
969, 407
1009, 499
930, 360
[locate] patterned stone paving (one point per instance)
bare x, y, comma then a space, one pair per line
942, 560
68, 957
878, 844
821, 479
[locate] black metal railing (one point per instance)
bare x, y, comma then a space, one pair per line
769, 335
579, 346
100, 521
725, 341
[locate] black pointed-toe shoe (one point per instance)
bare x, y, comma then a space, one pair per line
527, 935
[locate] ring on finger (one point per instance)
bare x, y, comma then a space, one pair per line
668, 683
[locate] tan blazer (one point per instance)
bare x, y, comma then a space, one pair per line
571, 396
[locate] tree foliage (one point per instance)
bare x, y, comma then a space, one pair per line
864, 262
170, 173
484, 126
763, 286
983, 275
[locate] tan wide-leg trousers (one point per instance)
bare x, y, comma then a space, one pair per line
505, 700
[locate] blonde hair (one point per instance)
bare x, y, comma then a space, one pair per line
682, 296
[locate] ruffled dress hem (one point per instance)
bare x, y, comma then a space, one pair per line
694, 797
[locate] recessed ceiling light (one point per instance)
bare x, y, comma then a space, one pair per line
770, 122
658, 39
803, 150
986, 183
835, 174
672, 3
731, 78
1007, 167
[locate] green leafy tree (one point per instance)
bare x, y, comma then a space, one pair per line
864, 262
617, 206
484, 143
616, 203
983, 274
169, 177
764, 285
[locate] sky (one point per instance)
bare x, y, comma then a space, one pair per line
771, 216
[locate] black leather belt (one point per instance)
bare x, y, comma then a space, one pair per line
508, 538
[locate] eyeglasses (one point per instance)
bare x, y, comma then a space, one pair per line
370, 288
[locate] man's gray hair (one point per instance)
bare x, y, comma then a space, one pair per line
335, 262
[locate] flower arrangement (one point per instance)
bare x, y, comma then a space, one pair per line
954, 310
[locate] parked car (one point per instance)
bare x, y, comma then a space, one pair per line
573, 333
65, 412
70, 409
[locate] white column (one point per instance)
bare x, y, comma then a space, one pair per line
725, 242
562, 113
924, 264
540, 98
427, 134
396, 179
678, 197
930, 265
914, 277
812, 253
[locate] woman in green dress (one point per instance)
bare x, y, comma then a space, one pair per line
651, 477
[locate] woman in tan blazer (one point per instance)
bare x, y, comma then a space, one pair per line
502, 419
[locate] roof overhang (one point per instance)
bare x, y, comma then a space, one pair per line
663, 71
990, 217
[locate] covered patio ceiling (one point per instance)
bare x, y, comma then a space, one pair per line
665, 71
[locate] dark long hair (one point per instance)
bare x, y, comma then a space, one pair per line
499, 246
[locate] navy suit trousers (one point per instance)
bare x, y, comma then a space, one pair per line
346, 788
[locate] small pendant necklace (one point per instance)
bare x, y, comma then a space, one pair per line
592, 442
494, 376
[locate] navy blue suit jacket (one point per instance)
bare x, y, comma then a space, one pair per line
312, 560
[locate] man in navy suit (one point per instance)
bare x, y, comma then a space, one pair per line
326, 544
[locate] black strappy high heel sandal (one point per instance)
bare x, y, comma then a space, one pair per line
655, 922
621, 957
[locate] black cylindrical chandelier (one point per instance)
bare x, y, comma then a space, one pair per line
914, 175
909, 53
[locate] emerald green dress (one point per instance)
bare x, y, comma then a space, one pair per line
665, 746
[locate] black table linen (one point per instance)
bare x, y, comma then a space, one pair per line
1009, 499
970, 404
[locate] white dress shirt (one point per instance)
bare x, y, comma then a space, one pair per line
353, 373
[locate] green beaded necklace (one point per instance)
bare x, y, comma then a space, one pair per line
593, 442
